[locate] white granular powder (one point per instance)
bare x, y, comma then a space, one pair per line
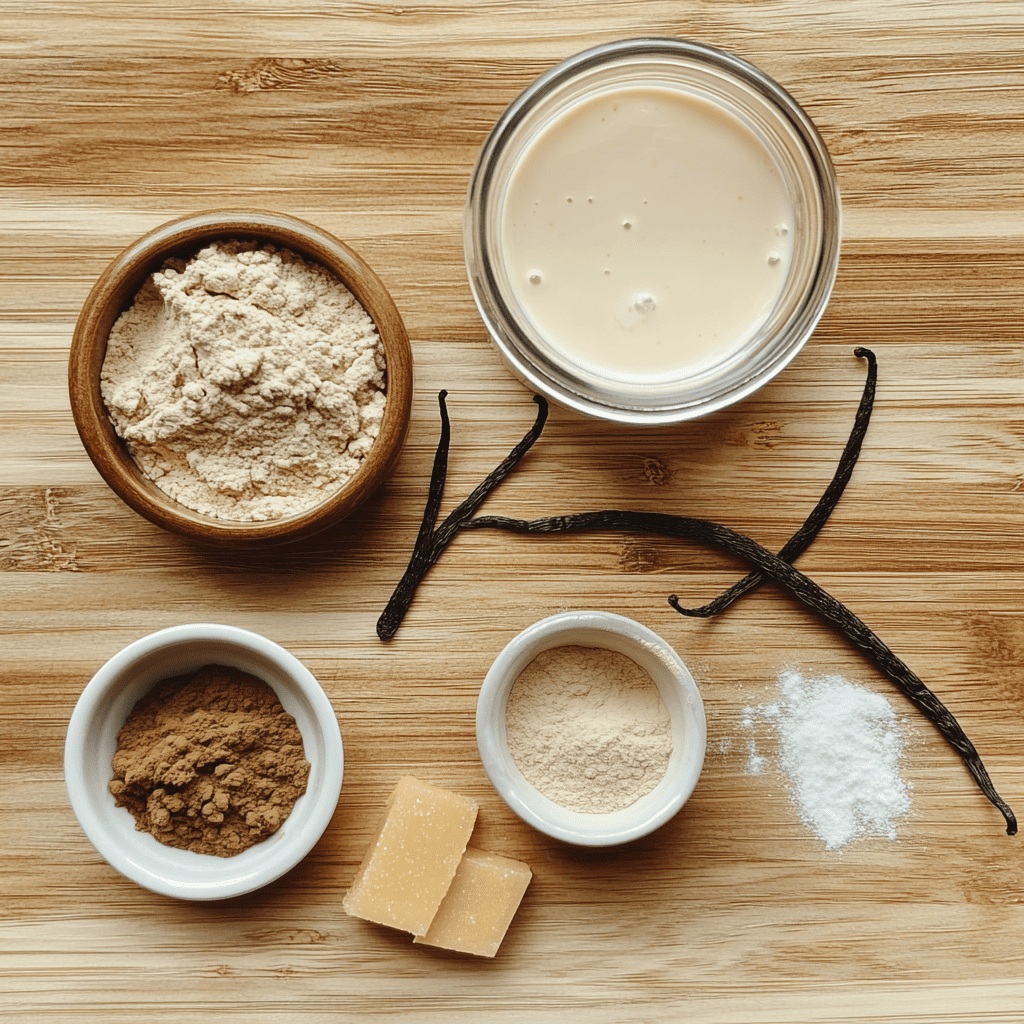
588, 728
248, 383
840, 745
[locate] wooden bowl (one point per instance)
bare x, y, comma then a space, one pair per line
115, 291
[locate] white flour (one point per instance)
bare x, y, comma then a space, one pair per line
248, 383
588, 728
840, 744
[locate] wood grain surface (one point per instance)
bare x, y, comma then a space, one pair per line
365, 118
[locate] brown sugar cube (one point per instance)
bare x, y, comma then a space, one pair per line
481, 902
413, 857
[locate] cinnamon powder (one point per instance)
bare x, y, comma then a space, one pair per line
209, 762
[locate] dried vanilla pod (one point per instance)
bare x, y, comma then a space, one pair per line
800, 541
431, 543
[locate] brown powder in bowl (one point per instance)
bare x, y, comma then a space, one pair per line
209, 762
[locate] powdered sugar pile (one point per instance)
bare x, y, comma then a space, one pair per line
840, 745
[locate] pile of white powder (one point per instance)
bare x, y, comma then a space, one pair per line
248, 383
840, 744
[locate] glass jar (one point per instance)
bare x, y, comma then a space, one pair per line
652, 231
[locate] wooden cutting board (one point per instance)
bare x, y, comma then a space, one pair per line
366, 119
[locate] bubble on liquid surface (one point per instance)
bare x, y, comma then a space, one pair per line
638, 307
773, 258
782, 229
535, 277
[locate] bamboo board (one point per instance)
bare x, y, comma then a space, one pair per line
366, 120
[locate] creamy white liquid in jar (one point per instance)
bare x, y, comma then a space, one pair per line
646, 232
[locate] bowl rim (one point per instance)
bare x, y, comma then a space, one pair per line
113, 292
667, 669
142, 858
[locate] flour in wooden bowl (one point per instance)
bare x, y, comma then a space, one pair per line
247, 382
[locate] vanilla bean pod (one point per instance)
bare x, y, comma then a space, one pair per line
799, 542
430, 542
421, 559
800, 586
438, 474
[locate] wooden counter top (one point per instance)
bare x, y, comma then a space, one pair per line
366, 119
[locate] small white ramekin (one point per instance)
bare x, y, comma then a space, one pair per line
104, 706
678, 691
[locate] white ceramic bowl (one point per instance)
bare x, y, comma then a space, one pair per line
678, 691
106, 703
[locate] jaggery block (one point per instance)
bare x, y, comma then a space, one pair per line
481, 902
413, 857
